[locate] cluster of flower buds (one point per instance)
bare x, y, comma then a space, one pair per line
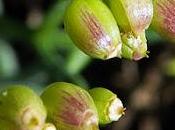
73, 108
21, 109
64, 105
164, 18
113, 28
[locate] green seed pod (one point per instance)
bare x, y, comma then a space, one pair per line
109, 107
133, 18
70, 107
21, 107
164, 18
93, 29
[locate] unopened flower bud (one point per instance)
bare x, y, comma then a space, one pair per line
92, 27
22, 108
70, 107
133, 18
109, 106
164, 18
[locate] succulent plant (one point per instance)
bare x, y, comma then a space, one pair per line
93, 29
70, 107
109, 106
164, 18
22, 108
133, 18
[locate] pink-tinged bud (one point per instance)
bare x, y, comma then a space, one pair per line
93, 29
70, 107
133, 18
164, 18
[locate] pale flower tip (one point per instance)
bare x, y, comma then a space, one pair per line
49, 126
137, 56
116, 110
121, 111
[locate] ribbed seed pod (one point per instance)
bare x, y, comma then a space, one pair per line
109, 106
164, 18
70, 107
92, 27
133, 18
20, 106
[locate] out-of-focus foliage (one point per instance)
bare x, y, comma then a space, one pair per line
8, 61
1, 7
43, 30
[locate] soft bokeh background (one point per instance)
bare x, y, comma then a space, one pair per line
35, 50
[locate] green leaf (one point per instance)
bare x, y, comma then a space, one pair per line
8, 60
77, 61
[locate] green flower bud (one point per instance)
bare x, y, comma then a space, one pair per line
164, 18
133, 18
70, 107
21, 107
92, 27
109, 106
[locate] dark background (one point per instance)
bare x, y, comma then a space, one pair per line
35, 50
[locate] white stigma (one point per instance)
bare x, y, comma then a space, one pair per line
49, 126
32, 120
116, 109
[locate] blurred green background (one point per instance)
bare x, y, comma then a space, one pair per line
35, 50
